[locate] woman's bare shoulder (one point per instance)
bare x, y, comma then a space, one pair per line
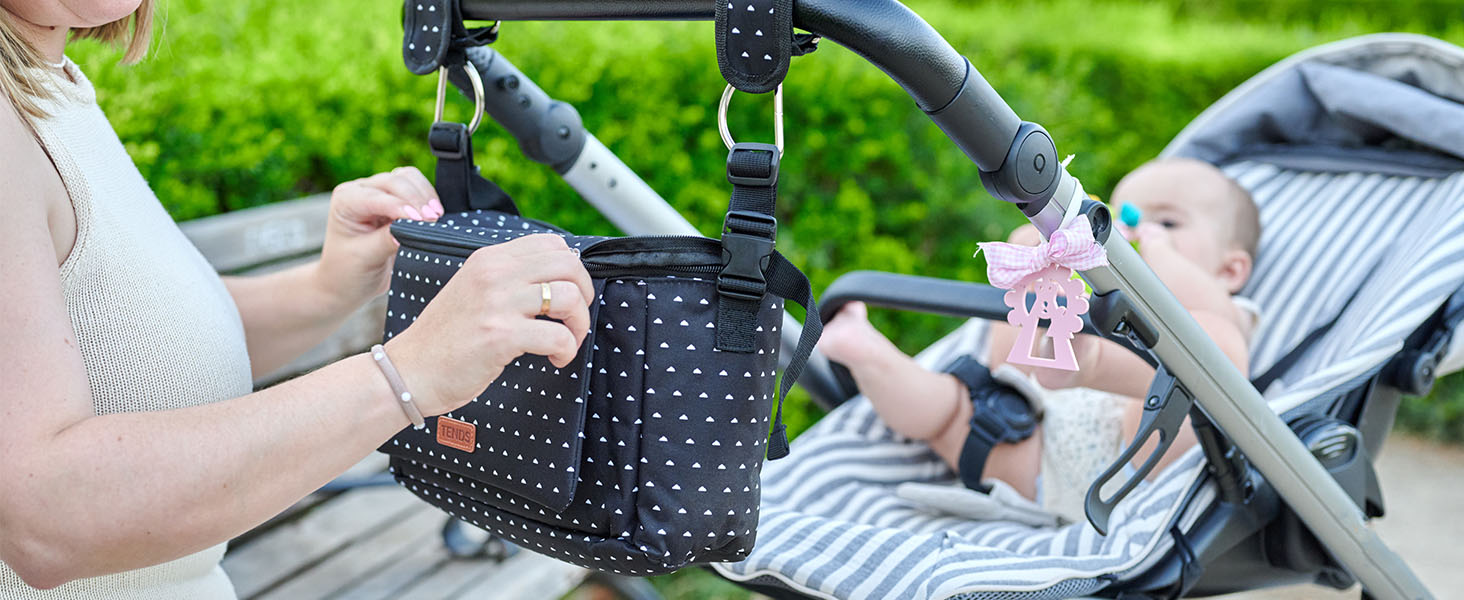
31, 181
27, 166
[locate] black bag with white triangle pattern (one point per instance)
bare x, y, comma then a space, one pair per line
642, 455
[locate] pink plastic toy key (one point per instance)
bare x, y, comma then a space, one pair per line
1046, 271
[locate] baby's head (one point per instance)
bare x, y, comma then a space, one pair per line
1211, 219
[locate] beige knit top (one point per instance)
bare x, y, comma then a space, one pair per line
156, 328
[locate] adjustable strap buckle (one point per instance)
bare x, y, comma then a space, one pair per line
747, 246
748, 236
754, 165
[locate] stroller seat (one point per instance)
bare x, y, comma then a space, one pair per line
832, 525
1348, 153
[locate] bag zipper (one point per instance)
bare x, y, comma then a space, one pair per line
699, 255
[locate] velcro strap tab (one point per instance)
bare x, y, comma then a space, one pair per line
754, 43
428, 28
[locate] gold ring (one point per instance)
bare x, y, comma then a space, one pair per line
548, 298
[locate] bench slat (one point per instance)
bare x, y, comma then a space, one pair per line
277, 555
247, 238
447, 581
378, 549
425, 557
527, 575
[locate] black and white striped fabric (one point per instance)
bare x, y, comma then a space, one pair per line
832, 526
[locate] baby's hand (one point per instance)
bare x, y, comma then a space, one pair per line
849, 338
1153, 239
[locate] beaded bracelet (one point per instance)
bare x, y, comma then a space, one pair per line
398, 387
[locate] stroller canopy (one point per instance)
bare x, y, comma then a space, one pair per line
1354, 153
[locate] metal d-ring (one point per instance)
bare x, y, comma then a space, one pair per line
477, 80
777, 117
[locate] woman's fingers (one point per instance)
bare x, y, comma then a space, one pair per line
550, 339
367, 205
414, 201
545, 257
565, 304
419, 181
531, 245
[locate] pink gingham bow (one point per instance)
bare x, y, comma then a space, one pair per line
1072, 246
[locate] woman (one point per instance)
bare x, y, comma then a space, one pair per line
131, 447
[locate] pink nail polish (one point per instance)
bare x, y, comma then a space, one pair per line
412, 213
431, 212
436, 204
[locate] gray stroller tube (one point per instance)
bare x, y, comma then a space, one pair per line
1019, 164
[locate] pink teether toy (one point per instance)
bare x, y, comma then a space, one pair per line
1046, 271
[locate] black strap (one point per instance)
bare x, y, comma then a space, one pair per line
434, 38
972, 461
785, 280
755, 43
459, 184
987, 430
748, 240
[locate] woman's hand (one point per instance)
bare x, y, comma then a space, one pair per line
486, 316
355, 263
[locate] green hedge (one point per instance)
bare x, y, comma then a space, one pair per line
245, 103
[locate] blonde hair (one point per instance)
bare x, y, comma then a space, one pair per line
19, 60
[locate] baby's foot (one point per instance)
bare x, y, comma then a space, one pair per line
848, 338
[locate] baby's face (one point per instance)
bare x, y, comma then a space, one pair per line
1194, 206
1200, 232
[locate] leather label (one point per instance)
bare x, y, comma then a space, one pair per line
456, 434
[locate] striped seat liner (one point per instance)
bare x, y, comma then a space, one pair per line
832, 527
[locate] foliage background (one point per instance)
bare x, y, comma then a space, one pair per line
249, 102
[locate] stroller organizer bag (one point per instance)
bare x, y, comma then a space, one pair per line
642, 455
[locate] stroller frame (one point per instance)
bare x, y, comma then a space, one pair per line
949, 89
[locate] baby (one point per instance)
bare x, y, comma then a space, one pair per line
1198, 233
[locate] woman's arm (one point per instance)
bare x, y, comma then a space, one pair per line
284, 314
87, 495
288, 312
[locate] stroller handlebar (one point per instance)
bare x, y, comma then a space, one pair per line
885, 32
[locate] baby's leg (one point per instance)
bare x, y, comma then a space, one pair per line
913, 401
1016, 464
919, 404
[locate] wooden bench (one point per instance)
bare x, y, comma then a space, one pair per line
365, 542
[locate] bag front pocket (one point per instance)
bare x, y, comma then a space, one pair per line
523, 435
